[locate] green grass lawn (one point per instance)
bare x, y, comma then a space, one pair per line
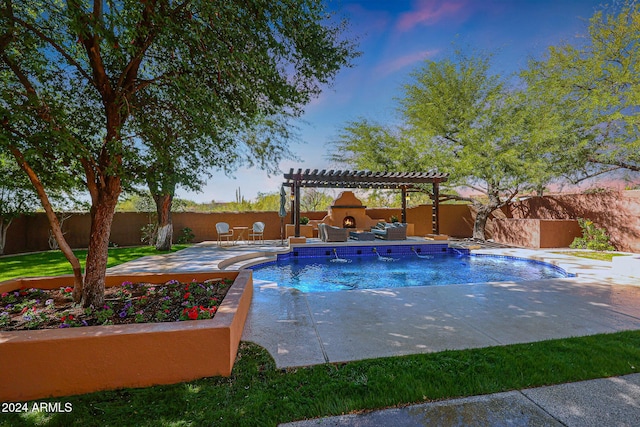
53, 263
258, 394
600, 256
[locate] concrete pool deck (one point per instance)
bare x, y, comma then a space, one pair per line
301, 329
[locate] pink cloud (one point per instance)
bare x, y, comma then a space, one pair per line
399, 63
368, 22
429, 12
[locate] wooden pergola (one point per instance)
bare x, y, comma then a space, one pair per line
403, 181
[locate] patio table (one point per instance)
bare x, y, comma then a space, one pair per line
241, 234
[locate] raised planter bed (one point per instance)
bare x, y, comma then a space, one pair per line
305, 230
49, 363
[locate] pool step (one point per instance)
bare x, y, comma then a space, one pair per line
244, 261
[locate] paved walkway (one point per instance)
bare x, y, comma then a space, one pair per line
301, 329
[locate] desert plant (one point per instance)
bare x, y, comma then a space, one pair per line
62, 217
186, 236
149, 233
593, 237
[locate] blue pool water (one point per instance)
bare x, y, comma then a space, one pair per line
326, 273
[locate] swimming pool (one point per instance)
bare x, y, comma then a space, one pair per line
333, 272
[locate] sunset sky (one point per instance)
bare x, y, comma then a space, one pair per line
395, 36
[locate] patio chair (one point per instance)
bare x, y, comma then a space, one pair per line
329, 233
223, 231
257, 231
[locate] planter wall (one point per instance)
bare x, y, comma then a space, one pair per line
305, 230
62, 362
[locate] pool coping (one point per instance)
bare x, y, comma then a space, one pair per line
249, 260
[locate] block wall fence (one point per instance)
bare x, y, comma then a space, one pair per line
31, 233
617, 212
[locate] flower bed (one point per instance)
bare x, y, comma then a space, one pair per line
63, 361
128, 303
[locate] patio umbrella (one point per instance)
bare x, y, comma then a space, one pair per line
282, 212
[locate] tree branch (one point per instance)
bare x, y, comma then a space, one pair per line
129, 74
594, 174
56, 46
53, 220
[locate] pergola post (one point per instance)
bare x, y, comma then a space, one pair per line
293, 205
404, 205
297, 207
436, 209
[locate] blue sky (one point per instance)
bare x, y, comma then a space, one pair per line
395, 36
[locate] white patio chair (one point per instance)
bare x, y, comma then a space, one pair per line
257, 231
223, 231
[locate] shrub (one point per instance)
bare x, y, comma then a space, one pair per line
186, 236
149, 234
304, 220
593, 238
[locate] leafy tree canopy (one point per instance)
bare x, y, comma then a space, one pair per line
460, 119
595, 83
77, 75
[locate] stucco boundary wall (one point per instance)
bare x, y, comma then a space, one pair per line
31, 233
62, 362
535, 233
617, 212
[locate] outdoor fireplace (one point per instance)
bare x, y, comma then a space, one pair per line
349, 222
348, 212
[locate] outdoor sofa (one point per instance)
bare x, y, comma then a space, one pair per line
390, 231
329, 233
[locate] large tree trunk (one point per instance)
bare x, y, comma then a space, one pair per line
4, 226
102, 212
481, 222
485, 210
53, 222
105, 189
164, 237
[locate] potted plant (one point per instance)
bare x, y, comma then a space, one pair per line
304, 220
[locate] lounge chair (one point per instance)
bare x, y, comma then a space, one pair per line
393, 231
257, 231
223, 231
329, 233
